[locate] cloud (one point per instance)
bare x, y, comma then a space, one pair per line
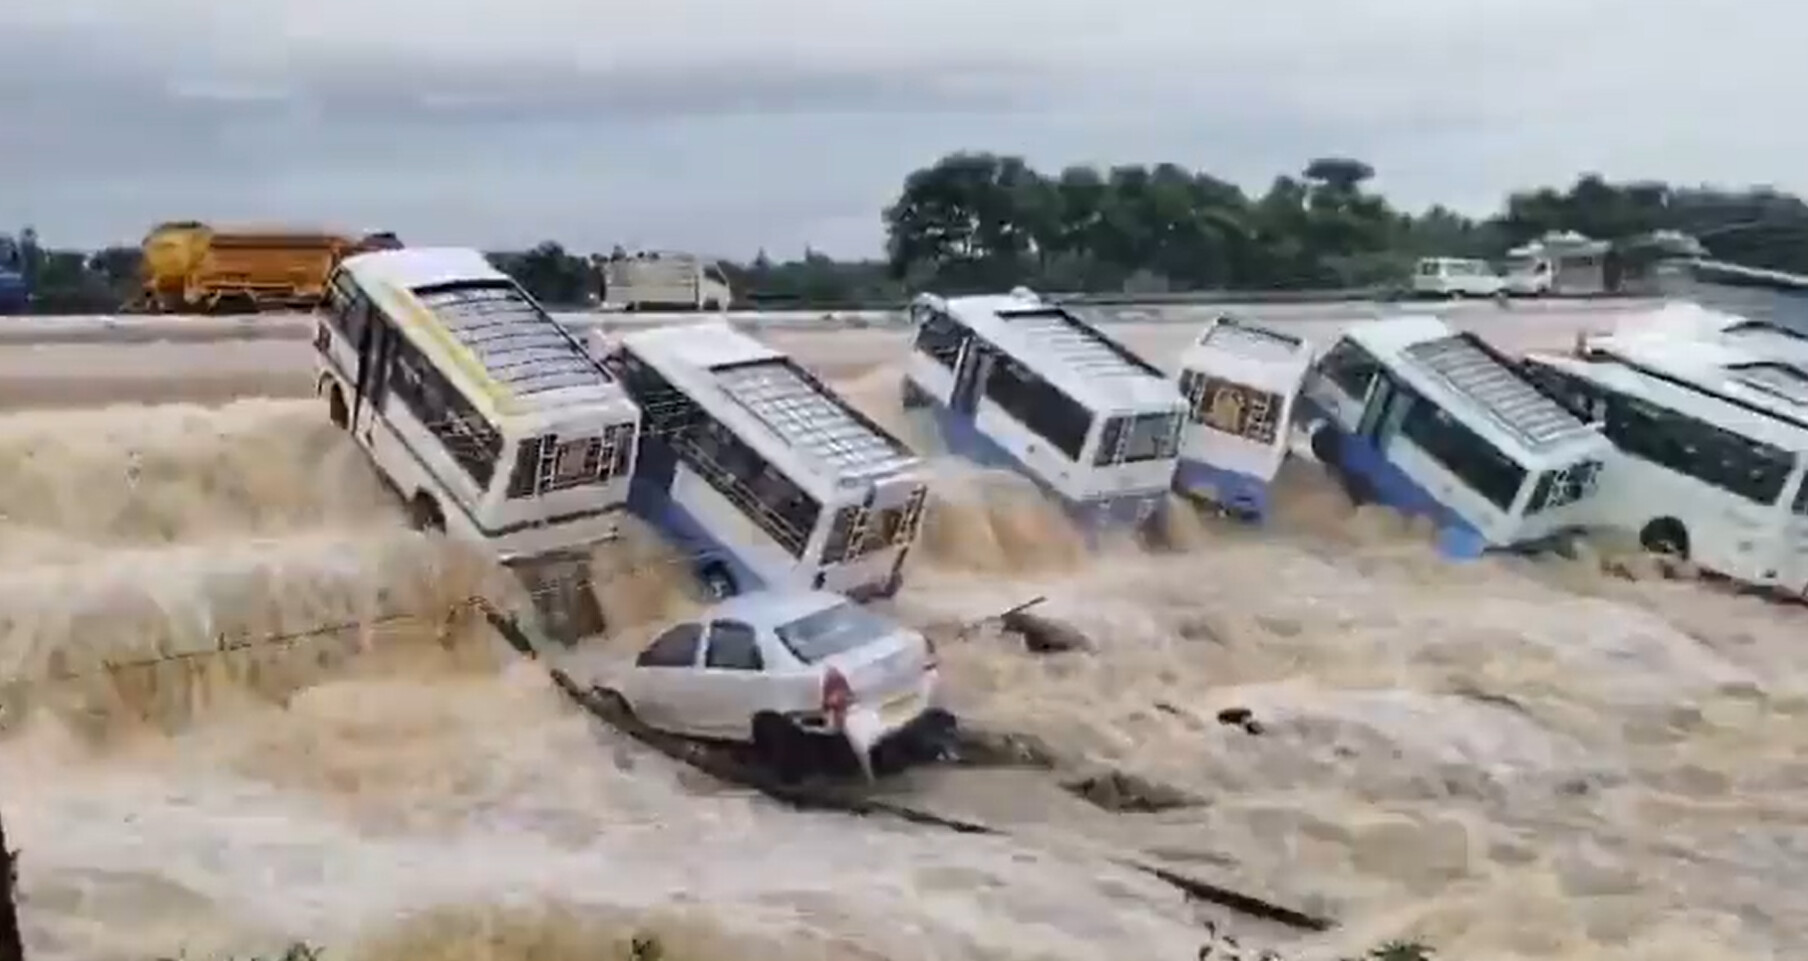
729, 126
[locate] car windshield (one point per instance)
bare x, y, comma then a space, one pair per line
831, 631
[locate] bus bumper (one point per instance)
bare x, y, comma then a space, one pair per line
1239, 494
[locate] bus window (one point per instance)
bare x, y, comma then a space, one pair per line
940, 338
1801, 499
1464, 453
1686, 445
1152, 437
1232, 408
1040, 406
1350, 367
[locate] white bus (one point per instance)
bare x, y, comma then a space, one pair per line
1689, 320
760, 473
486, 416
1437, 423
1713, 443
1018, 383
1240, 381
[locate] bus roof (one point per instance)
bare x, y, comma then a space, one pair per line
765, 389
1458, 370
1676, 393
1743, 377
1073, 355
453, 303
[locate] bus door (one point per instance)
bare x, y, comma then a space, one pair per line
376, 352
1381, 416
970, 375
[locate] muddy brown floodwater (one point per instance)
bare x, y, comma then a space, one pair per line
1509, 759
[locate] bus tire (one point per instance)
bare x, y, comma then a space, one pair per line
1666, 535
718, 581
780, 747
336, 409
424, 514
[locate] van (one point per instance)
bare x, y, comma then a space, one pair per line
1455, 277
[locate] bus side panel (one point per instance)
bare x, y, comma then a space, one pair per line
765, 563
1036, 455
1393, 486
650, 499
1633, 493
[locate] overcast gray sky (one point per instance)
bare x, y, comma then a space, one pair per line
724, 127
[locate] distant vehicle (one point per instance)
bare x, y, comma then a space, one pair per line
193, 268
1018, 383
1455, 277
487, 417
760, 472
1240, 381
1437, 423
1713, 444
15, 293
1529, 275
799, 676
662, 280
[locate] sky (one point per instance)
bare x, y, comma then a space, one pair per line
726, 128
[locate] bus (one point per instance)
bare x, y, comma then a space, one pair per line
1240, 381
1690, 320
1019, 383
1436, 423
485, 415
759, 472
1713, 445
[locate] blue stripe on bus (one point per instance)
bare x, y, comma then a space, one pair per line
650, 499
1233, 490
962, 437
1457, 538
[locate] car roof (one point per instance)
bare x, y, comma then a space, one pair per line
772, 608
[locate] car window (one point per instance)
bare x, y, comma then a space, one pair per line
677, 647
832, 630
733, 646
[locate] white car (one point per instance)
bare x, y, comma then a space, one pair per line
790, 673
1455, 277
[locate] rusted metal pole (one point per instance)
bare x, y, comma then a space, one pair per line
12, 943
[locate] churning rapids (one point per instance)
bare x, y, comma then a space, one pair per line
1560, 759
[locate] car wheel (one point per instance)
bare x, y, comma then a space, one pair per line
781, 748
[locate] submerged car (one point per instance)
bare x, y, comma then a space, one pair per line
803, 677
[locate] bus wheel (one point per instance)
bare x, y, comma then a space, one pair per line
718, 581
335, 405
1666, 535
424, 514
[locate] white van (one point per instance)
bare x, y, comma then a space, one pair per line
1455, 277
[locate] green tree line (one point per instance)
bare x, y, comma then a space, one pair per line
981, 221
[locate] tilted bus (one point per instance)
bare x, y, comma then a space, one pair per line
1436, 423
760, 472
1018, 383
488, 417
1692, 321
1713, 444
1240, 381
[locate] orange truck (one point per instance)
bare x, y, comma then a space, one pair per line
193, 268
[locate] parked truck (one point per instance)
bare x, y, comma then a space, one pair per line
194, 268
656, 280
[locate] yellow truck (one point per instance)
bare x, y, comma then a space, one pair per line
193, 268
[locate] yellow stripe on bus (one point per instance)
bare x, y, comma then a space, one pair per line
498, 395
